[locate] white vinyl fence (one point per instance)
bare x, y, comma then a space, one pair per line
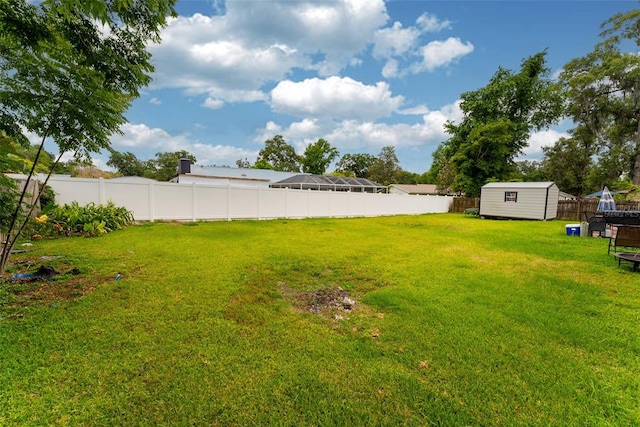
192, 202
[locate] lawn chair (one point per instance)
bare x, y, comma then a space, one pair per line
627, 236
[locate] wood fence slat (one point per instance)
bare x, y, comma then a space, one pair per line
574, 210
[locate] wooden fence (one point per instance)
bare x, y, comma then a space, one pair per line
574, 210
581, 210
461, 203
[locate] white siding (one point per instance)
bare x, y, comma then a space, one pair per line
534, 201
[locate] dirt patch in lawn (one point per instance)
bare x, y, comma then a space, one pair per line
44, 281
331, 302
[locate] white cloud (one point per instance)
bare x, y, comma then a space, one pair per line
141, 136
367, 136
213, 103
145, 141
307, 128
441, 53
255, 43
394, 40
538, 140
405, 54
155, 101
390, 69
335, 97
431, 23
221, 155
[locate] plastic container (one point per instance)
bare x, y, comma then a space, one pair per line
584, 229
573, 229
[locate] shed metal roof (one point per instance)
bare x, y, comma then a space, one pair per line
545, 184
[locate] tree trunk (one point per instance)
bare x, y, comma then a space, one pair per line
636, 165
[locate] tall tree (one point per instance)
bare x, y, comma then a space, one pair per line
603, 90
496, 125
165, 165
529, 171
568, 164
385, 169
126, 164
278, 155
358, 164
63, 77
243, 163
318, 156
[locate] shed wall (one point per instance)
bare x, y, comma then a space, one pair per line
531, 203
552, 205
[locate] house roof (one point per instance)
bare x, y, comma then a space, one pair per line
545, 184
335, 183
265, 175
566, 195
417, 188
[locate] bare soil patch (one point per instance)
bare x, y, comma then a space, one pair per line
43, 281
331, 302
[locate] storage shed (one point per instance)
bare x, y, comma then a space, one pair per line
520, 200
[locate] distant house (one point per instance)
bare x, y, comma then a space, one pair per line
519, 200
421, 189
566, 196
216, 175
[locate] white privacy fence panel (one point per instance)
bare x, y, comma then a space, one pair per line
192, 202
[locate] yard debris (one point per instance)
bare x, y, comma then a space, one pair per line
44, 272
348, 303
331, 302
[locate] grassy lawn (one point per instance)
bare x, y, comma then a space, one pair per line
457, 321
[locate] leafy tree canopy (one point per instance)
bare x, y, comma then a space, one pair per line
358, 164
165, 165
162, 167
318, 156
385, 169
603, 96
496, 125
63, 77
278, 155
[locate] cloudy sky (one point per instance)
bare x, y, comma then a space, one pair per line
361, 74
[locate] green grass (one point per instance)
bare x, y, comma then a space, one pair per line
458, 321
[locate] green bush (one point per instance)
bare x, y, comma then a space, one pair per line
89, 220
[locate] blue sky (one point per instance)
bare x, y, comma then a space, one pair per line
361, 74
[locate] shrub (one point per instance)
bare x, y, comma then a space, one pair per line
89, 220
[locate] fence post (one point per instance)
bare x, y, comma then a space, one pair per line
152, 201
259, 213
101, 191
194, 202
229, 202
286, 202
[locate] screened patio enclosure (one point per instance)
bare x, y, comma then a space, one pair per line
330, 183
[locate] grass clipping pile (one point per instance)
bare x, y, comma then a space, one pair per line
332, 302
